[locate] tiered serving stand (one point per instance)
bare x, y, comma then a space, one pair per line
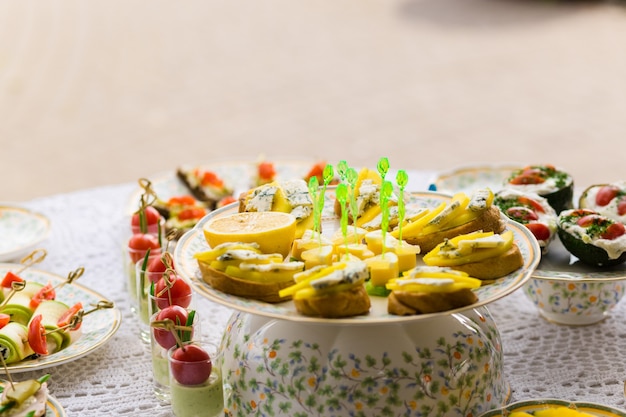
278, 362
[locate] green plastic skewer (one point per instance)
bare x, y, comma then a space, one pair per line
385, 193
342, 194
402, 180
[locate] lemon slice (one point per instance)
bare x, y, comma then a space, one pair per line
273, 231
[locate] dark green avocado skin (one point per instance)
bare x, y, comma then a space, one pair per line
562, 199
586, 252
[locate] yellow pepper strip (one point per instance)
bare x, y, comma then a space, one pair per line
310, 292
303, 281
263, 277
454, 208
442, 284
213, 254
435, 257
414, 228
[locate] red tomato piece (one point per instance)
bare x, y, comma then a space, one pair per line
539, 230
47, 292
531, 203
152, 219
316, 171
10, 278
523, 214
178, 315
613, 231
37, 336
139, 243
192, 213
589, 220
4, 319
266, 170
527, 178
179, 292
226, 201
605, 195
66, 318
183, 200
621, 207
211, 178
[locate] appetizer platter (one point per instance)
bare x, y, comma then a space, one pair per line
95, 330
194, 242
550, 407
38, 404
21, 231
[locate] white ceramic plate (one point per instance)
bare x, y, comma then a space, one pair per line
96, 330
21, 231
193, 242
468, 179
238, 175
530, 406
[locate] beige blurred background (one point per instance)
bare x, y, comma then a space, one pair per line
103, 92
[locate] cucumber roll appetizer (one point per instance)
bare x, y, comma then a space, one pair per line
531, 210
545, 180
593, 238
607, 199
14, 345
20, 306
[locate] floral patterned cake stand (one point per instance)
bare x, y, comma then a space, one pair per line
277, 362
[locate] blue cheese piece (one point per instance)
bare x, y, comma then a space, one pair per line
492, 241
440, 282
247, 256
368, 195
297, 193
262, 198
272, 266
478, 200
427, 269
353, 273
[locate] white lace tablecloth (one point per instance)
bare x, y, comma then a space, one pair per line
88, 227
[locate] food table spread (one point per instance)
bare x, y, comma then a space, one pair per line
541, 359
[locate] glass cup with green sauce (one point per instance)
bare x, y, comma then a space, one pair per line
196, 386
170, 325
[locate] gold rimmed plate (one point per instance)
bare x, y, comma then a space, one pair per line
468, 179
193, 242
21, 230
97, 328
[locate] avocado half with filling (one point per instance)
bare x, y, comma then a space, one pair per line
593, 238
553, 184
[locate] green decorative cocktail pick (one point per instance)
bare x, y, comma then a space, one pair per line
385, 194
351, 177
383, 167
342, 196
401, 179
314, 188
342, 170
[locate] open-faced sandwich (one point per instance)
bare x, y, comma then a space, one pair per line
24, 398
482, 255
241, 269
205, 185
332, 291
531, 210
593, 238
461, 215
430, 289
555, 185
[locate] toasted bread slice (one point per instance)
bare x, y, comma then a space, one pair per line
490, 220
493, 268
404, 303
354, 302
267, 292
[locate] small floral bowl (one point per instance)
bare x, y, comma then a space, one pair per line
532, 406
579, 301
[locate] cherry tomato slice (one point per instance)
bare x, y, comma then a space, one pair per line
266, 170
211, 178
523, 214
613, 231
605, 195
4, 320
531, 203
182, 200
47, 292
539, 230
10, 278
37, 336
192, 213
621, 206
66, 318
316, 171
